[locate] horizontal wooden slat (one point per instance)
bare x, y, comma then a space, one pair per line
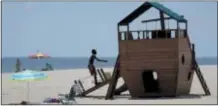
132, 46
143, 68
152, 30
162, 94
184, 88
160, 73
151, 41
149, 67
171, 61
167, 84
155, 51
184, 44
157, 19
152, 53
149, 61
149, 64
185, 52
186, 64
151, 45
124, 51
148, 58
166, 75
185, 67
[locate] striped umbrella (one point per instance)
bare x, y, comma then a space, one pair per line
28, 75
39, 55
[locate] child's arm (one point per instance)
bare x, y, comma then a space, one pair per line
100, 59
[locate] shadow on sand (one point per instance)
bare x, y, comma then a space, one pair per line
127, 96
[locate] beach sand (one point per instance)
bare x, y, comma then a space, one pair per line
59, 82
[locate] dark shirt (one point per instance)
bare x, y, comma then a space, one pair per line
91, 59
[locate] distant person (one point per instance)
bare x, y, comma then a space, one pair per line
18, 66
91, 65
47, 67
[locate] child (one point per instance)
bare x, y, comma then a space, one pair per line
91, 64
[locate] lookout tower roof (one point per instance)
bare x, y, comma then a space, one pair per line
146, 6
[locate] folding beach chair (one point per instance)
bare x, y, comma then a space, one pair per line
75, 90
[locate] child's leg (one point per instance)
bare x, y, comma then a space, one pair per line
95, 78
93, 73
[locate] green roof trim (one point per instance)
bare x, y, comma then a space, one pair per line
168, 11
146, 6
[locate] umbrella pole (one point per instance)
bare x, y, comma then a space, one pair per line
27, 91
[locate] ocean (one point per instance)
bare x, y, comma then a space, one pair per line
8, 64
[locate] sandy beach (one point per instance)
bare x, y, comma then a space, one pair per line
60, 81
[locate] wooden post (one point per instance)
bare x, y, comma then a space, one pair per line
80, 83
177, 34
101, 76
127, 32
127, 38
118, 33
125, 35
147, 35
193, 48
143, 34
114, 79
162, 20
138, 35
186, 27
119, 36
193, 56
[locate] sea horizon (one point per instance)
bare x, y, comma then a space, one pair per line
63, 63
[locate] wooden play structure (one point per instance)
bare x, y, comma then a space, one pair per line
167, 52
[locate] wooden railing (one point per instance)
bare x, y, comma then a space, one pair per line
151, 34
189, 41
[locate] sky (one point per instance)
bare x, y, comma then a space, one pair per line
72, 29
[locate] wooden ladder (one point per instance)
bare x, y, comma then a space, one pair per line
95, 88
199, 74
104, 78
114, 79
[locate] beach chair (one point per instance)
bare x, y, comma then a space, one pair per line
75, 90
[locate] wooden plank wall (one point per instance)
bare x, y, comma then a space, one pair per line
157, 54
184, 84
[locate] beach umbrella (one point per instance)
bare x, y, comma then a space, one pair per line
38, 55
28, 75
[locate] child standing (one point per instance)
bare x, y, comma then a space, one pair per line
91, 64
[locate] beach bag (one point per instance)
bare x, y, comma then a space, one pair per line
51, 100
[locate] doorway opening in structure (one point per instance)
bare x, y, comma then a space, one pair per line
150, 81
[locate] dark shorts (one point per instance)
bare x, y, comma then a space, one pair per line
92, 69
